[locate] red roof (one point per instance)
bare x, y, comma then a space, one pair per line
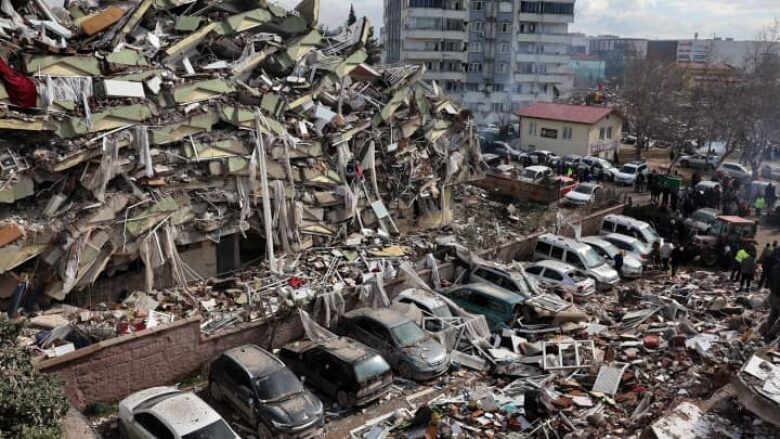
566, 112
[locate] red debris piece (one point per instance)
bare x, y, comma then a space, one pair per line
21, 90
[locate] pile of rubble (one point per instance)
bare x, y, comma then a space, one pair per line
653, 359
131, 130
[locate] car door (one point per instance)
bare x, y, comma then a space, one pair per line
239, 391
382, 340
330, 374
572, 258
552, 277
148, 426
313, 375
535, 271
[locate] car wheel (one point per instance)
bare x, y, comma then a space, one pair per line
214, 391
263, 432
344, 400
405, 370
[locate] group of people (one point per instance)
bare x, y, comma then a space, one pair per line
770, 278
579, 173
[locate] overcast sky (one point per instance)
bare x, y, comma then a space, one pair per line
657, 19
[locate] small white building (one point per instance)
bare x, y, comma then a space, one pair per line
570, 129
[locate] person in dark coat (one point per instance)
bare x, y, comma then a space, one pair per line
748, 271
767, 262
665, 196
676, 258
774, 304
619, 263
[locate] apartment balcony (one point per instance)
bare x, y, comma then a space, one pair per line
432, 34
544, 78
543, 58
434, 13
445, 76
545, 18
434, 55
544, 38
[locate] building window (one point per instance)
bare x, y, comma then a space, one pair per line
477, 26
475, 67
609, 133
532, 128
477, 6
504, 47
426, 4
505, 27
567, 133
525, 67
500, 68
472, 86
602, 133
505, 7
549, 133
546, 8
475, 46
527, 28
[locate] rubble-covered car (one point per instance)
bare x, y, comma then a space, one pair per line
502, 308
630, 245
429, 303
627, 225
559, 275
632, 267
702, 220
559, 248
167, 412
583, 195
535, 174
341, 368
411, 351
264, 392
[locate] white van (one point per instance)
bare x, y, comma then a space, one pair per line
582, 256
535, 174
625, 225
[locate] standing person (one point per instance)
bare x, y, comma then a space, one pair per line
676, 258
736, 265
774, 304
666, 253
665, 196
748, 270
717, 198
640, 181
767, 262
619, 263
673, 200
759, 204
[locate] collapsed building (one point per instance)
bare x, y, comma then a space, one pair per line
152, 144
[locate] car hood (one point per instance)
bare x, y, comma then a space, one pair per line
624, 176
576, 196
606, 272
428, 351
631, 262
296, 410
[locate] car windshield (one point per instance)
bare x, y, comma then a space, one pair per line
649, 234
215, 430
628, 169
609, 249
373, 366
703, 217
584, 189
528, 173
407, 334
591, 258
278, 385
605, 164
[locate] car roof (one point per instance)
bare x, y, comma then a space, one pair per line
255, 359
589, 185
562, 240
491, 290
183, 412
343, 348
624, 238
595, 240
557, 265
387, 317
733, 164
537, 168
708, 210
626, 220
421, 296
708, 183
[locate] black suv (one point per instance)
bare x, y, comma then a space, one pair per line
341, 368
265, 393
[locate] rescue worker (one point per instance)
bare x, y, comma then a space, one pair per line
747, 270
736, 266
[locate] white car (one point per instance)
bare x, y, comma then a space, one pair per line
698, 161
582, 195
167, 412
631, 246
601, 167
632, 267
535, 174
561, 275
627, 173
734, 170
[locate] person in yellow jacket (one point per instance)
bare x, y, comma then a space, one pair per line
736, 265
759, 204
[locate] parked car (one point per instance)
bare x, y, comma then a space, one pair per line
571, 160
629, 139
560, 275
770, 172
513, 281
702, 219
582, 256
582, 195
502, 149
566, 184
630, 226
167, 412
264, 392
499, 306
698, 161
412, 352
707, 187
341, 368
631, 246
429, 303
601, 168
535, 174
628, 173
734, 170
632, 267
537, 158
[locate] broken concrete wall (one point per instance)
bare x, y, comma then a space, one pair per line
591, 224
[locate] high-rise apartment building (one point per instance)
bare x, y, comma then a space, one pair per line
496, 56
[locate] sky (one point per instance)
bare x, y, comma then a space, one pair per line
654, 19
